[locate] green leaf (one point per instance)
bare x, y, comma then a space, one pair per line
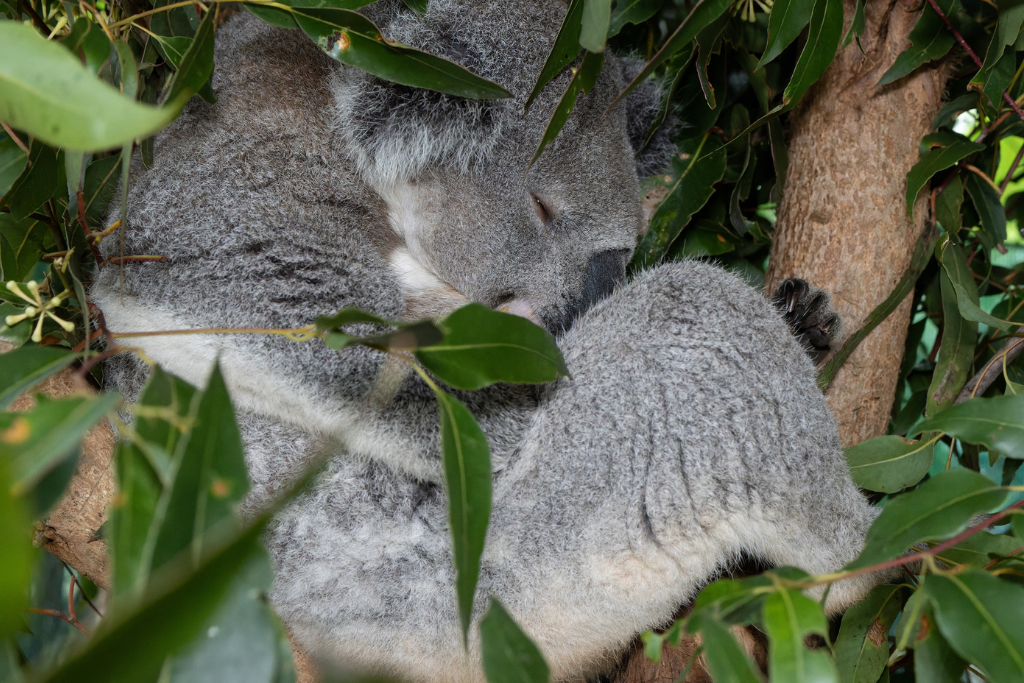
702, 14
128, 69
272, 15
631, 12
173, 48
45, 91
353, 39
407, 337
727, 662
956, 352
979, 548
348, 316
583, 80
696, 169
857, 26
143, 467
88, 40
508, 654
466, 460
16, 568
40, 180
934, 660
208, 476
862, 647
24, 247
938, 509
132, 646
823, 34
709, 42
178, 21
948, 206
594, 25
101, 178
979, 615
944, 150
997, 423
734, 601
416, 5
786, 21
40, 440
22, 369
238, 643
196, 65
12, 162
1011, 16
954, 264
483, 346
930, 40
563, 52
789, 617
990, 209
889, 464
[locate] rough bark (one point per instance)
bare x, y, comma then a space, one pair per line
843, 222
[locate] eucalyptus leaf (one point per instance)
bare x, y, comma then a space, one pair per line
944, 150
789, 617
45, 91
727, 662
979, 615
956, 352
563, 52
934, 660
979, 548
989, 207
594, 26
482, 346
12, 162
583, 81
508, 655
22, 369
930, 40
889, 464
25, 240
786, 21
466, 461
631, 12
40, 180
940, 508
948, 205
862, 647
997, 423
954, 264
16, 568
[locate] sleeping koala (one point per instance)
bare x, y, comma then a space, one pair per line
692, 431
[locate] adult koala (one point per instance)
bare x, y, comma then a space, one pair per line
692, 432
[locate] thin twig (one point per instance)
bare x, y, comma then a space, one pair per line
81, 588
61, 616
17, 140
1009, 174
980, 383
143, 257
26, 7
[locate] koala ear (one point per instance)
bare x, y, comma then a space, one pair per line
642, 108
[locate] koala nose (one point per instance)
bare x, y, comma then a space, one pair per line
604, 271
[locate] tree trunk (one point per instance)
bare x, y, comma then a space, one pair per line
843, 222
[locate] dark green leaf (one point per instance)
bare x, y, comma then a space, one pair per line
594, 25
990, 209
862, 647
787, 19
696, 169
727, 662
669, 95
132, 646
857, 26
735, 601
947, 206
979, 615
956, 352
563, 52
348, 316
40, 440
127, 68
1017, 524
16, 568
173, 48
889, 464
12, 162
208, 475
466, 460
353, 39
934, 660
789, 617
416, 5
407, 337
938, 509
45, 91
997, 423
979, 548
703, 13
196, 65
631, 12
954, 264
24, 247
482, 346
944, 150
39, 181
272, 15
238, 643
22, 369
823, 34
508, 654
101, 178
931, 40
583, 81
179, 21
997, 57
88, 40
709, 42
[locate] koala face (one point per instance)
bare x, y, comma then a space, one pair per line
472, 220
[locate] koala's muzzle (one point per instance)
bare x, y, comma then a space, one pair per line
605, 270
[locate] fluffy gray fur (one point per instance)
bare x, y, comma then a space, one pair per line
692, 431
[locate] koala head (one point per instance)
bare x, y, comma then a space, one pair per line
472, 219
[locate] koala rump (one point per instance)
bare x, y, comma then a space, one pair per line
692, 432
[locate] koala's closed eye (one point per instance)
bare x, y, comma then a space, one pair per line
543, 208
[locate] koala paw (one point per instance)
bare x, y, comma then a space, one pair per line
808, 312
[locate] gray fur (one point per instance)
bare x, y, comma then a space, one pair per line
692, 431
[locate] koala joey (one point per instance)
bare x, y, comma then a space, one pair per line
691, 433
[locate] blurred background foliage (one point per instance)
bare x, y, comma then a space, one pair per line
85, 86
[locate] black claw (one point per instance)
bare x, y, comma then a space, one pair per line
809, 314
